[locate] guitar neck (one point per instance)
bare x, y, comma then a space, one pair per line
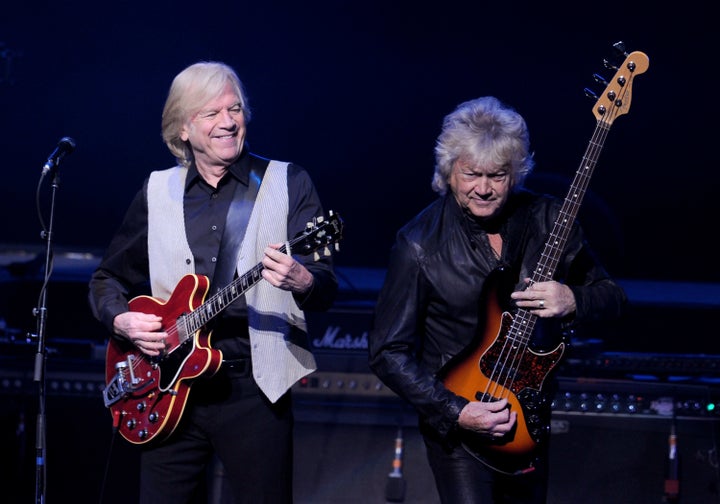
558, 237
523, 324
216, 303
320, 233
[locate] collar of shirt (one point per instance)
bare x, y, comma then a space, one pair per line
240, 170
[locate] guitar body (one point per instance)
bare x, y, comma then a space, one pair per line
155, 389
492, 368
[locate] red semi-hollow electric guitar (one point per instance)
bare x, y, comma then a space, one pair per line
147, 395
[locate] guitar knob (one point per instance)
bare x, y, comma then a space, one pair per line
141, 406
143, 434
153, 417
131, 424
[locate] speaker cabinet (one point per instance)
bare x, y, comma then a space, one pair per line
350, 464
621, 459
342, 463
595, 459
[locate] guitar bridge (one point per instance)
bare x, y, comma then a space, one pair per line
123, 383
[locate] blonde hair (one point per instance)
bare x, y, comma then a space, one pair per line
189, 92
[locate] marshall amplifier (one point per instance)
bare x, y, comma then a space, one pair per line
343, 389
339, 337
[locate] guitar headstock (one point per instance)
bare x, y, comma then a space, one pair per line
615, 99
320, 233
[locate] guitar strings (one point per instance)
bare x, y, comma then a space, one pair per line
194, 320
504, 373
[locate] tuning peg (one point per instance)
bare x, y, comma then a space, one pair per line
313, 223
609, 65
600, 79
619, 46
620, 55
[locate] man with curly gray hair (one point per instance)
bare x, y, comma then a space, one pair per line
458, 273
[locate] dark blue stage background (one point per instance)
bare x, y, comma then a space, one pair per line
355, 92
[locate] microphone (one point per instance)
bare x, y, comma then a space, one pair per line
395, 485
672, 482
64, 147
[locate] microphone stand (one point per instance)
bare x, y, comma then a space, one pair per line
672, 481
40, 313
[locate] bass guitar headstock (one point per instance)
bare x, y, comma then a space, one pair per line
615, 99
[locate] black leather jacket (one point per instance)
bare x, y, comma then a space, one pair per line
429, 307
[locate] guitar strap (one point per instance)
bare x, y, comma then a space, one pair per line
516, 235
236, 225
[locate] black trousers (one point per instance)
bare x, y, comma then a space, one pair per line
227, 416
462, 478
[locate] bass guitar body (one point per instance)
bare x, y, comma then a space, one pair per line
500, 365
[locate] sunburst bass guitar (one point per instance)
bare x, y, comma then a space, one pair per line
147, 395
500, 362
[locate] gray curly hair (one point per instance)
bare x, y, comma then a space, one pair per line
484, 132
